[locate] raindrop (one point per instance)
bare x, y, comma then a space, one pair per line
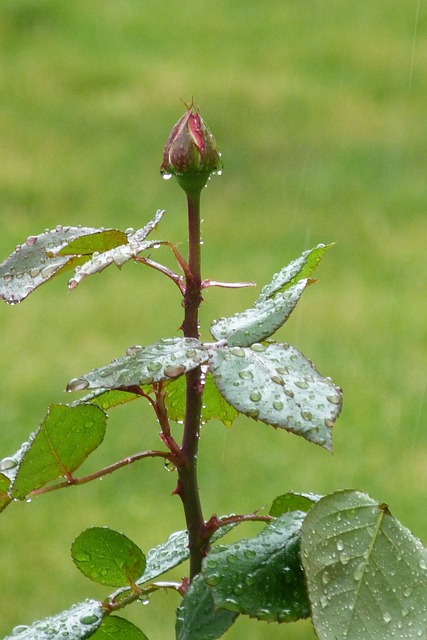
324, 601
277, 380
77, 384
329, 423
302, 384
146, 380
48, 271
237, 351
306, 415
340, 545
130, 351
245, 374
8, 463
19, 629
90, 619
166, 176
154, 366
31, 240
359, 570
386, 617
253, 413
35, 272
255, 396
258, 347
333, 399
289, 393
326, 577
8, 277
278, 405
344, 558
173, 371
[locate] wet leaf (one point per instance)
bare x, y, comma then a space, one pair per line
164, 360
34, 262
274, 305
165, 556
115, 628
258, 322
261, 577
366, 573
77, 623
214, 406
107, 557
5, 497
197, 617
300, 268
293, 502
279, 386
133, 244
108, 399
62, 442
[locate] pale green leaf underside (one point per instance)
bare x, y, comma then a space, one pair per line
278, 385
164, 360
261, 576
197, 617
77, 623
260, 321
63, 441
34, 262
298, 269
366, 573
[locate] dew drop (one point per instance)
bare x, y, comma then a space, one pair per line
255, 396
306, 415
302, 384
277, 380
31, 240
344, 558
77, 384
245, 374
340, 545
130, 351
326, 577
237, 351
8, 277
90, 619
154, 366
253, 413
173, 371
258, 347
334, 399
8, 463
387, 617
278, 405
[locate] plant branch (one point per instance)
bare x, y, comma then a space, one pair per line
71, 481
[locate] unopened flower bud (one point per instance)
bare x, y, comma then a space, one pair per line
191, 153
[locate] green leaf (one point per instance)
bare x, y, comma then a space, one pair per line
107, 557
5, 498
62, 442
292, 502
261, 577
260, 321
115, 628
98, 240
279, 386
108, 399
197, 617
77, 623
134, 243
274, 305
214, 406
300, 268
164, 360
366, 573
35, 262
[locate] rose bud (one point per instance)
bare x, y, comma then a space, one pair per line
191, 153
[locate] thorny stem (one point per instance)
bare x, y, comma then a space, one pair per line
187, 487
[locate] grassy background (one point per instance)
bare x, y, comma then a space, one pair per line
319, 110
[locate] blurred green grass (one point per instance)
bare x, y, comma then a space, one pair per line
319, 110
